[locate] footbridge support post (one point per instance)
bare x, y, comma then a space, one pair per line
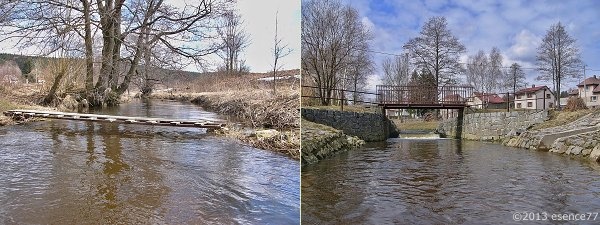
459, 123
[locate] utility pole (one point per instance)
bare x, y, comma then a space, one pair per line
584, 86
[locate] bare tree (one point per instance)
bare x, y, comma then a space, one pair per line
279, 51
356, 75
397, 70
332, 36
484, 72
234, 40
514, 78
494, 70
477, 70
127, 30
437, 50
558, 57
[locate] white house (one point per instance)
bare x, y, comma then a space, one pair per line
589, 91
534, 98
487, 101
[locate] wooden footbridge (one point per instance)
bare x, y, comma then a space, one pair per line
205, 123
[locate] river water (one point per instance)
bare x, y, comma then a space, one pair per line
443, 181
71, 172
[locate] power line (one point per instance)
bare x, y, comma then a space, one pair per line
507, 67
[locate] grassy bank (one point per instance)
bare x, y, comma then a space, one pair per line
559, 118
273, 117
18, 97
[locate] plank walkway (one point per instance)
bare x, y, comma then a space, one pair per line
115, 119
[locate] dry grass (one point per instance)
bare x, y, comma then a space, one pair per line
286, 142
416, 125
559, 118
253, 103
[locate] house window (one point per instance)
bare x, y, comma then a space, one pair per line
529, 104
547, 95
529, 95
593, 98
518, 105
518, 96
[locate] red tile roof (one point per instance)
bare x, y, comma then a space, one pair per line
596, 89
489, 97
530, 90
590, 81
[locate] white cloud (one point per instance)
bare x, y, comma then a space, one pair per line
524, 45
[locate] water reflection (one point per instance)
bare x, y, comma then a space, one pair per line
420, 181
66, 172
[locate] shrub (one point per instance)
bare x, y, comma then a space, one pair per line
575, 103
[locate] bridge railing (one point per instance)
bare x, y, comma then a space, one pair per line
422, 95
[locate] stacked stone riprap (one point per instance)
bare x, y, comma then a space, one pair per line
584, 145
321, 142
492, 126
366, 126
531, 139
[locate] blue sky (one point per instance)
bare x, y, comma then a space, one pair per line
516, 27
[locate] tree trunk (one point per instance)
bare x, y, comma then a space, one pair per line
89, 54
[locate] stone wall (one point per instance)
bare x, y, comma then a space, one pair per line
366, 126
584, 145
492, 126
532, 139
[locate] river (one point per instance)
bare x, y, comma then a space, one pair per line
444, 181
73, 172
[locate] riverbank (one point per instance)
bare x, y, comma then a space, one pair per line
320, 141
260, 114
573, 134
19, 97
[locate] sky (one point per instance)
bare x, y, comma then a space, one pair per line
516, 27
259, 23
259, 18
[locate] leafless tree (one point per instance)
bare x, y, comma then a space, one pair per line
279, 51
558, 57
514, 78
332, 36
484, 72
397, 70
437, 50
477, 68
234, 40
495, 70
135, 26
357, 74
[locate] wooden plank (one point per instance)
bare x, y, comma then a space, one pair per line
201, 123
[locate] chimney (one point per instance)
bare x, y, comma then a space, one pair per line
533, 85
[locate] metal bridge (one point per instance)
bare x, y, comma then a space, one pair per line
424, 97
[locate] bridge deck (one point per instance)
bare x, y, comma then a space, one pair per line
205, 123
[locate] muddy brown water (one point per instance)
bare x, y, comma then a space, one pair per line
426, 180
73, 172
